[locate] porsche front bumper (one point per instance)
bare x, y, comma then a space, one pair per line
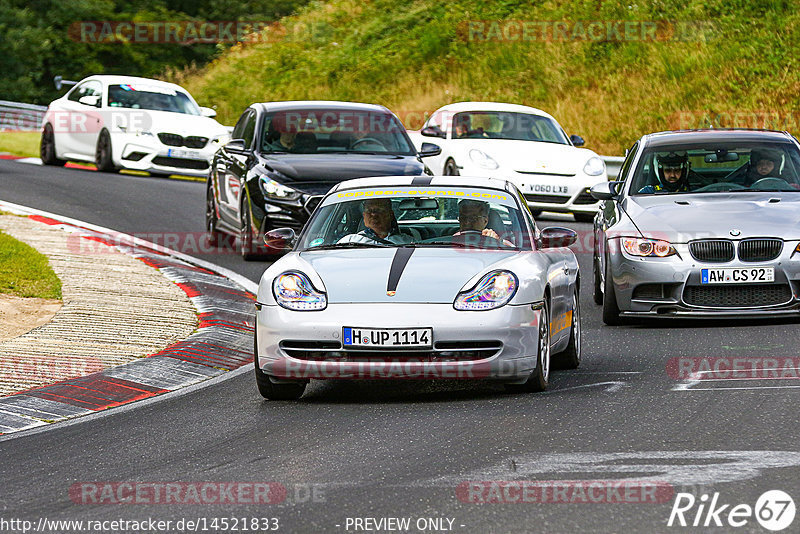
495, 344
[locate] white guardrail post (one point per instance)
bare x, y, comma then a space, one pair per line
18, 116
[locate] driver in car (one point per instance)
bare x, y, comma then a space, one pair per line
473, 216
672, 170
763, 163
380, 225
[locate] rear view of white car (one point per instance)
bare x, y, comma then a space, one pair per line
518, 143
123, 122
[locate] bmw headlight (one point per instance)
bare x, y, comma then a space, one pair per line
276, 190
482, 159
493, 291
294, 291
647, 247
595, 166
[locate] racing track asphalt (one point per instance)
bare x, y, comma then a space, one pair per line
382, 449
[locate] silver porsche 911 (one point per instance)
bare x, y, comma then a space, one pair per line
701, 223
418, 278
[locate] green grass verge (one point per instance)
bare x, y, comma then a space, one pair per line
24, 272
727, 62
24, 144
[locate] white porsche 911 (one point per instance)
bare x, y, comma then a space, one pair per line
518, 143
123, 122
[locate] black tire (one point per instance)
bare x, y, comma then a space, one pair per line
47, 148
540, 376
450, 168
102, 153
268, 389
215, 237
571, 357
247, 245
610, 309
584, 217
597, 283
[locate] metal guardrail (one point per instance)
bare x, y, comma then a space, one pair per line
18, 116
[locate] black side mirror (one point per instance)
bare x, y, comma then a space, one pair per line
280, 239
237, 146
577, 140
605, 190
429, 149
557, 237
433, 131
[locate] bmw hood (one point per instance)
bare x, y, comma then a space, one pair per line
532, 157
682, 218
340, 167
431, 275
177, 123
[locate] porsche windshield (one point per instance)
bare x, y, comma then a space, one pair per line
507, 125
402, 216
321, 131
154, 97
721, 167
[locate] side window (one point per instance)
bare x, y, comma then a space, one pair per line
249, 129
90, 88
626, 165
436, 120
238, 130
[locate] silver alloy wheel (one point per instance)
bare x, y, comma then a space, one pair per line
544, 346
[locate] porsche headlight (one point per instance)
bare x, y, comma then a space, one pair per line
277, 191
482, 159
647, 247
294, 291
493, 291
595, 166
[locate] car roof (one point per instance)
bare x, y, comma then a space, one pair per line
679, 137
110, 79
318, 104
425, 181
458, 107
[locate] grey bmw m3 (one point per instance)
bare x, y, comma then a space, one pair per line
701, 223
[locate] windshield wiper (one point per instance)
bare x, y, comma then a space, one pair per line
347, 245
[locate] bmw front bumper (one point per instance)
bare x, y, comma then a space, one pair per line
496, 344
671, 286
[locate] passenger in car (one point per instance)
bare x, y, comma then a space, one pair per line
380, 225
473, 216
762, 164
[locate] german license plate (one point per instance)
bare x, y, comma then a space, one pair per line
388, 337
180, 153
738, 275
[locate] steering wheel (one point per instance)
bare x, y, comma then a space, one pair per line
771, 182
721, 186
369, 140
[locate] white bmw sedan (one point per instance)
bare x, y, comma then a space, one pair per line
518, 143
123, 122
